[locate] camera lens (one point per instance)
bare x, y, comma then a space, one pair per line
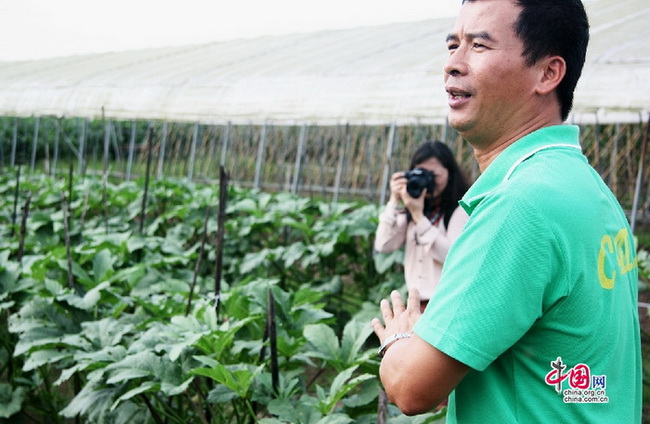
414, 187
417, 180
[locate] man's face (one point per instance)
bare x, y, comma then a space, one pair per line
490, 88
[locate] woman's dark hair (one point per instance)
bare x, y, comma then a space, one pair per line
456, 182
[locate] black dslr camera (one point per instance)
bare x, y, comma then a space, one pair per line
417, 180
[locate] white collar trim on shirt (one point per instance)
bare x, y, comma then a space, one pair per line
529, 154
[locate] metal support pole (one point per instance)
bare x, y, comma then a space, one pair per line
260, 157
116, 147
129, 163
370, 152
14, 142
161, 156
107, 140
195, 138
639, 176
389, 156
209, 157
322, 162
224, 145
341, 165
37, 122
299, 153
57, 135
82, 141
613, 162
284, 167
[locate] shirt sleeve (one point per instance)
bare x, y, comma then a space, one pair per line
493, 284
391, 231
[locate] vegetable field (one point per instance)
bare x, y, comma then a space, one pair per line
177, 302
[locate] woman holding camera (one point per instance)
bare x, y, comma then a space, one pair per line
428, 220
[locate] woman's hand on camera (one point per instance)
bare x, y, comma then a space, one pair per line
415, 205
399, 193
397, 187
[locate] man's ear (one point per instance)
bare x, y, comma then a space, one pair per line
552, 71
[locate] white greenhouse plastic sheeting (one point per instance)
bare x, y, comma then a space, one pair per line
370, 75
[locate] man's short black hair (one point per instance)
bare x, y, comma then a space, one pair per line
555, 27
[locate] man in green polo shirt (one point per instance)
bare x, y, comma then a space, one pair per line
535, 317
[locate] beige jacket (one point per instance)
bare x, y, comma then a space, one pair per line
426, 245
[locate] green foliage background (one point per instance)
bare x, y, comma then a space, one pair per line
128, 339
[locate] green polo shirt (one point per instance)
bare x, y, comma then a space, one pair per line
539, 293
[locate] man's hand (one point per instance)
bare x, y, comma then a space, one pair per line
397, 319
415, 375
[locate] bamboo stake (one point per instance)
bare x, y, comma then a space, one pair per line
262, 355
197, 267
154, 414
194, 402
107, 140
70, 172
221, 218
66, 228
275, 373
202, 395
382, 407
23, 227
146, 179
16, 192
265, 337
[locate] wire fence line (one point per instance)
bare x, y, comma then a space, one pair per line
338, 162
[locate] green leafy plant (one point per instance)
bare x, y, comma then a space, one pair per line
103, 328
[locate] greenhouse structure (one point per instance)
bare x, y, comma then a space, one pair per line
329, 113
187, 234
